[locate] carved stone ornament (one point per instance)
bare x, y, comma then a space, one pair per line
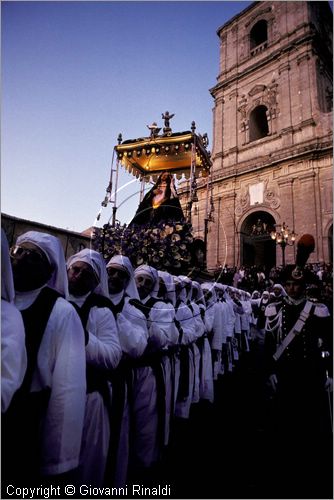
272, 95
261, 13
270, 199
242, 202
257, 89
242, 106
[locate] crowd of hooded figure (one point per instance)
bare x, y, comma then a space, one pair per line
98, 359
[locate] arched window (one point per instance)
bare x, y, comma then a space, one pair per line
258, 123
258, 36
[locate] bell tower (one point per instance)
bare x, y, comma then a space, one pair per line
272, 127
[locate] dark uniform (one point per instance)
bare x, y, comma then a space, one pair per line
301, 420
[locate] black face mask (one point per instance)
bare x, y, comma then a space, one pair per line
144, 286
117, 281
30, 273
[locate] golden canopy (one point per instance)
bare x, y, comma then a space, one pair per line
149, 156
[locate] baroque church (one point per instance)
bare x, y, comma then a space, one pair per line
272, 136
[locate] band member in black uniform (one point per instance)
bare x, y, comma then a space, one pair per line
298, 342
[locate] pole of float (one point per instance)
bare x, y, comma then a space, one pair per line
142, 188
114, 210
192, 170
206, 221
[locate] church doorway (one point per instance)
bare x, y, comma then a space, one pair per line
256, 246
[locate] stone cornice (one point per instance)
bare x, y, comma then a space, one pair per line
285, 182
234, 18
228, 196
307, 176
306, 152
314, 148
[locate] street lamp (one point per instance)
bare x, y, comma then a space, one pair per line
283, 237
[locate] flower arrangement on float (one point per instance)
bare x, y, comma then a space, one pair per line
166, 246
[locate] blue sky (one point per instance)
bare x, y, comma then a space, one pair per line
75, 75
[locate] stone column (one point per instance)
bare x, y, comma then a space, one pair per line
230, 127
287, 214
306, 215
218, 129
285, 118
304, 92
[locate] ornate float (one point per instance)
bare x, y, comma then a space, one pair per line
166, 244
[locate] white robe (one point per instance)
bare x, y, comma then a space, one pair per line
161, 332
103, 350
61, 366
168, 367
132, 328
13, 352
133, 336
200, 330
220, 330
185, 317
206, 390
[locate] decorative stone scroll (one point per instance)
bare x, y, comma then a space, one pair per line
259, 95
270, 199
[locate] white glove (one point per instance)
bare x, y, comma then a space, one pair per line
273, 382
329, 384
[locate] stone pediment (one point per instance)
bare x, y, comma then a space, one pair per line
257, 89
260, 13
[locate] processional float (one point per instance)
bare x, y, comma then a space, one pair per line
168, 244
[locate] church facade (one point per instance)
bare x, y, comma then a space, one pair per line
272, 135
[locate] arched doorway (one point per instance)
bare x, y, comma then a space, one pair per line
256, 246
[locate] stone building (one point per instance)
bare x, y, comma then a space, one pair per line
272, 134
71, 241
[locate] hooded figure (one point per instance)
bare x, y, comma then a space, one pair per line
148, 383
188, 335
168, 295
278, 292
169, 285
52, 249
161, 203
96, 262
262, 304
123, 289
88, 286
205, 367
56, 360
245, 321
133, 340
223, 328
197, 305
13, 350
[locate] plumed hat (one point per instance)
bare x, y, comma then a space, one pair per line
297, 272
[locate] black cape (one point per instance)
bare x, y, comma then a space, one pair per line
169, 210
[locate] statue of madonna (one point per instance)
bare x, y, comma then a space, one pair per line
160, 204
